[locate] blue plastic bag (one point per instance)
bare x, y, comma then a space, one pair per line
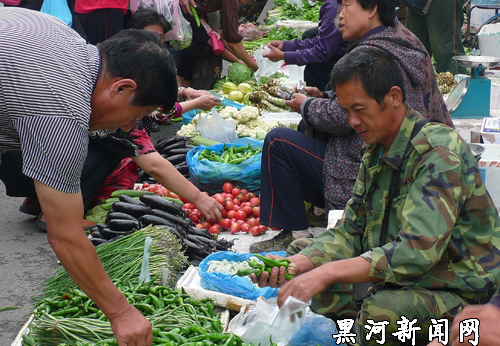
209, 176
236, 286
316, 330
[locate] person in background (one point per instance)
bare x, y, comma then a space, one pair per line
318, 53
101, 19
78, 87
229, 16
322, 172
440, 30
420, 225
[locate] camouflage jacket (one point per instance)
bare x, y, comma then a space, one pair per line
443, 230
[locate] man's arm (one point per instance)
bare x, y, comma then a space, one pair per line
353, 270
240, 52
166, 174
63, 212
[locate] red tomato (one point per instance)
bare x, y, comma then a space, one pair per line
245, 204
173, 195
207, 224
245, 228
236, 201
241, 215
200, 226
263, 229
236, 208
252, 222
224, 194
195, 216
235, 192
243, 191
214, 229
233, 220
258, 220
225, 224
242, 197
256, 211
255, 231
188, 206
223, 212
151, 189
144, 185
251, 195
255, 201
240, 222
229, 206
235, 228
220, 199
248, 211
227, 187
231, 214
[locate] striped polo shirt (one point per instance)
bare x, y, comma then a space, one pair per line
47, 75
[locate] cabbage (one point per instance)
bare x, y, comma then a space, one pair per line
228, 87
236, 96
245, 88
239, 73
219, 82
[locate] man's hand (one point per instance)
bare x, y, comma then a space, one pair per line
304, 286
131, 328
275, 54
296, 102
314, 92
184, 4
298, 264
207, 102
488, 316
276, 44
208, 207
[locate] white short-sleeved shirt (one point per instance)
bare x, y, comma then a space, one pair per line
47, 76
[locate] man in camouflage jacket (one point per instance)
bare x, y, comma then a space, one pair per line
441, 251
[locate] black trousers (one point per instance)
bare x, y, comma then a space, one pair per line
316, 75
101, 24
101, 161
292, 169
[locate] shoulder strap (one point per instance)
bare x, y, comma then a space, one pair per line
395, 177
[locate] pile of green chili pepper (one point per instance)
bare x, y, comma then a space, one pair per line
265, 264
177, 319
232, 155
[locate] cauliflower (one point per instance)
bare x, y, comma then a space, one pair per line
187, 130
227, 112
247, 113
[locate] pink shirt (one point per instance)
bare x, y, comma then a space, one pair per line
87, 6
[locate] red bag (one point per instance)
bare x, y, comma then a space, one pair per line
11, 2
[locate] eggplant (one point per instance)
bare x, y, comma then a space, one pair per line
158, 202
176, 159
177, 145
164, 143
98, 241
192, 245
199, 232
110, 234
180, 151
132, 209
123, 225
181, 221
128, 199
119, 215
184, 169
156, 221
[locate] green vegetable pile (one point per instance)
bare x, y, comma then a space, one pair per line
265, 265
232, 155
239, 73
122, 259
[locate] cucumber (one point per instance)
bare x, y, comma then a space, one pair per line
131, 193
175, 200
110, 200
199, 140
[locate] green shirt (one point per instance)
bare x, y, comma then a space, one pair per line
443, 230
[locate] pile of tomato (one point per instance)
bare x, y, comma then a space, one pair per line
241, 212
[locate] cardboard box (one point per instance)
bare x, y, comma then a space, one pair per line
489, 166
489, 132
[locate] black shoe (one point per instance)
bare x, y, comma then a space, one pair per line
279, 243
30, 206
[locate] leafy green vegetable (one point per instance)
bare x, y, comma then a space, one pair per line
239, 73
219, 82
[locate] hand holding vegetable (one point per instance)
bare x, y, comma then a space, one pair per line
278, 44
296, 101
131, 327
184, 4
206, 102
274, 54
209, 207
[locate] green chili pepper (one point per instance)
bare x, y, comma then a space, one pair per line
230, 340
195, 15
64, 312
217, 336
269, 262
248, 271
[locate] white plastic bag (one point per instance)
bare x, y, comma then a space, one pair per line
181, 35
266, 66
213, 126
267, 321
